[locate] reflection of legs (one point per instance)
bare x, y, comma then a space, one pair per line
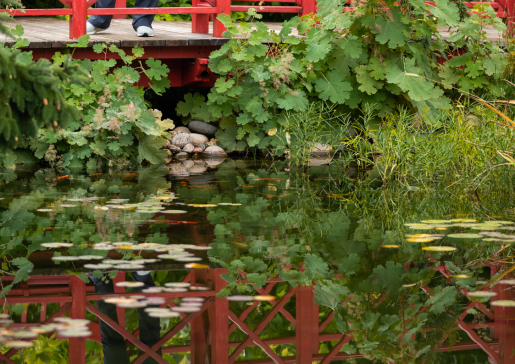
149, 327
144, 20
112, 342
102, 21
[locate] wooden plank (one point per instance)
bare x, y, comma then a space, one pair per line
44, 32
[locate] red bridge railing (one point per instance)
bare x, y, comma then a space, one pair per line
201, 10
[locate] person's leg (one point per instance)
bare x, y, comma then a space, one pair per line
102, 21
113, 344
144, 20
149, 327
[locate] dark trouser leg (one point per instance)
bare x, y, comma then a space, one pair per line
144, 20
113, 344
102, 21
149, 327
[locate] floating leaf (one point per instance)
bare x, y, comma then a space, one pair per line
186, 309
439, 248
129, 284
481, 294
503, 303
196, 266
90, 257
164, 314
19, 344
465, 236
174, 211
461, 276
421, 240
65, 258
178, 284
45, 210
264, 298
436, 221
98, 266
56, 245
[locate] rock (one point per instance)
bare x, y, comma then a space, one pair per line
180, 140
202, 146
172, 133
198, 169
181, 155
213, 150
176, 168
181, 130
188, 163
323, 149
202, 128
315, 162
198, 150
174, 149
197, 139
215, 161
188, 148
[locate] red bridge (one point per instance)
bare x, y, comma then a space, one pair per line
183, 46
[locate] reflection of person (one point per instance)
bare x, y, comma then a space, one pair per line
115, 351
142, 24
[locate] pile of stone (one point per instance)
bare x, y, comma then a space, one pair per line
197, 138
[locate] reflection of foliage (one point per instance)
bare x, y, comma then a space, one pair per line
315, 228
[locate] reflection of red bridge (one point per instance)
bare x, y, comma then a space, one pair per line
210, 328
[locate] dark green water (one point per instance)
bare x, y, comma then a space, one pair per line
328, 227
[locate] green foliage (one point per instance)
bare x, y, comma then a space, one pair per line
116, 125
32, 92
348, 60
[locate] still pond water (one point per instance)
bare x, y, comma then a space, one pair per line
368, 255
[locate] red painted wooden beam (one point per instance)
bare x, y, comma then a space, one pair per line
268, 9
38, 12
127, 11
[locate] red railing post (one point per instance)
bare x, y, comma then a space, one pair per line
120, 4
222, 7
308, 6
510, 17
199, 22
504, 329
305, 328
198, 329
77, 345
78, 19
219, 320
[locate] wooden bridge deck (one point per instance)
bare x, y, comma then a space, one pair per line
45, 32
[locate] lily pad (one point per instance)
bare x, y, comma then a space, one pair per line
503, 303
439, 248
98, 266
465, 236
65, 258
481, 294
130, 284
56, 245
174, 212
